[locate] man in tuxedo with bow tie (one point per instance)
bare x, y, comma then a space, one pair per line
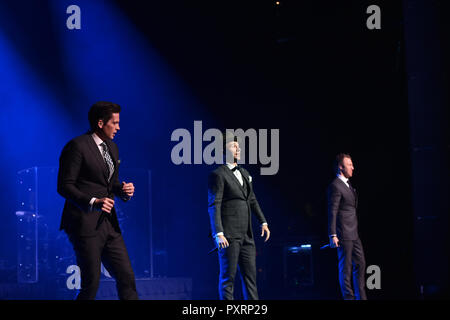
231, 201
343, 230
88, 178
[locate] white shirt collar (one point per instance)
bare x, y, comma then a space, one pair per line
230, 165
97, 139
344, 179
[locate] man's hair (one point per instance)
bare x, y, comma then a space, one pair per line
228, 137
101, 110
338, 161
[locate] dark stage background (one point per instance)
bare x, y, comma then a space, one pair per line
311, 69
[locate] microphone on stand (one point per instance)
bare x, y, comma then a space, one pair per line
326, 246
212, 250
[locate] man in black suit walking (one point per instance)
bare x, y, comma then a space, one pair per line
88, 179
343, 230
231, 201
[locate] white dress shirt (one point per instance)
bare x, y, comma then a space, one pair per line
236, 173
98, 142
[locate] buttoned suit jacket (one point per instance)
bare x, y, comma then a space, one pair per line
83, 174
229, 206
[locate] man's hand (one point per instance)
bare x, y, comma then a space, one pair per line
221, 242
128, 188
334, 242
105, 204
265, 229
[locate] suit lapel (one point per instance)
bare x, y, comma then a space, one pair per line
247, 181
347, 189
113, 155
233, 178
356, 197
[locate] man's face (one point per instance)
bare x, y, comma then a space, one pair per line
233, 151
347, 168
110, 129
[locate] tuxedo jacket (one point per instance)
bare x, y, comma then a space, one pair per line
83, 174
230, 205
342, 204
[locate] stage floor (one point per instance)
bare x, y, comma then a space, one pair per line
148, 289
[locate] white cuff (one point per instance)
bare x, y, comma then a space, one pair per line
91, 204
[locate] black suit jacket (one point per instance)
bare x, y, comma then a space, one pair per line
229, 206
83, 174
342, 204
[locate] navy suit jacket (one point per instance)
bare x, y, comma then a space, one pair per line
342, 204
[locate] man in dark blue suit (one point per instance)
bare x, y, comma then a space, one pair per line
343, 230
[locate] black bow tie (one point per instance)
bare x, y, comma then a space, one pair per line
236, 168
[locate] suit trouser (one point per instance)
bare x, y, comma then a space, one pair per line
240, 254
106, 247
352, 262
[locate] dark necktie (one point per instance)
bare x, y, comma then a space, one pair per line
354, 193
108, 160
350, 186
